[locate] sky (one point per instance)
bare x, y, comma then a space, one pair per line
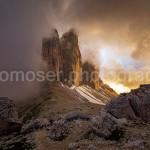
114, 33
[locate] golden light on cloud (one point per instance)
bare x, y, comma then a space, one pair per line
95, 32
119, 88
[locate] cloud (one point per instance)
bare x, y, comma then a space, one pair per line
117, 28
119, 31
23, 25
142, 51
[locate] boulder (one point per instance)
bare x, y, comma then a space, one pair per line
75, 115
8, 117
59, 131
107, 126
120, 108
132, 106
104, 126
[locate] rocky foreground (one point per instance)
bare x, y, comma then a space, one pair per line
134, 106
122, 124
8, 117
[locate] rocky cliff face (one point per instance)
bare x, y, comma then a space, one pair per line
63, 55
8, 117
52, 52
90, 76
72, 57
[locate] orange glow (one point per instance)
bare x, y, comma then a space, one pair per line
119, 88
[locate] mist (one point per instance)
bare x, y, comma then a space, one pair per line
114, 34
23, 25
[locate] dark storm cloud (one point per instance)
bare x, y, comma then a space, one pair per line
112, 11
